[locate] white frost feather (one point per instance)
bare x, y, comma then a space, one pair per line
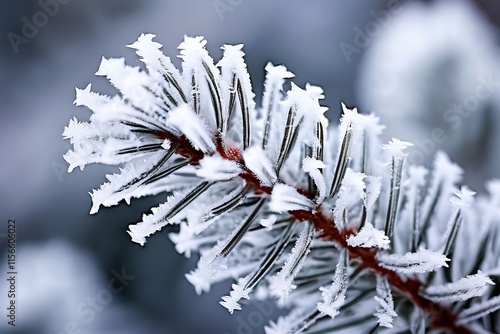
334, 295
98, 142
397, 148
112, 192
463, 289
385, 308
94, 101
156, 221
216, 168
197, 64
373, 187
464, 197
184, 121
422, 261
351, 192
109, 109
368, 237
131, 82
285, 198
312, 167
257, 161
273, 110
308, 110
234, 62
237, 293
281, 284
156, 62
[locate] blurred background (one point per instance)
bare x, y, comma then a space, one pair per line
429, 69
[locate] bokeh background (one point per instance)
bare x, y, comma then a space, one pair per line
414, 63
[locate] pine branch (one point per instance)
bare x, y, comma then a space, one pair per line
241, 180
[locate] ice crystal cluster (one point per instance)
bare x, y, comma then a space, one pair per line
330, 222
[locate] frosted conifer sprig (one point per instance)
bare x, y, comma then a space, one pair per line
325, 219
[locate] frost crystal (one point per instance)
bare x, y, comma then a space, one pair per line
463, 289
215, 168
368, 237
397, 148
313, 167
465, 197
183, 120
257, 161
161, 216
281, 284
420, 262
285, 198
334, 295
385, 309
271, 197
351, 193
